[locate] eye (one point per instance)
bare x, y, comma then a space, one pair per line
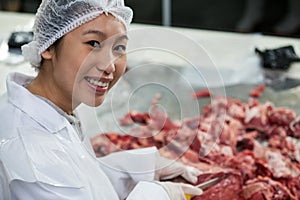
120, 48
94, 43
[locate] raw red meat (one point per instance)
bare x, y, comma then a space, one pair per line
268, 189
202, 93
256, 92
135, 117
295, 128
227, 189
257, 144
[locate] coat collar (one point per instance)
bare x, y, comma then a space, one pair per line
30, 104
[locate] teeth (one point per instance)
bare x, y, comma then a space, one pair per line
97, 83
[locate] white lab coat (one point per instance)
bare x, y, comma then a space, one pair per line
42, 157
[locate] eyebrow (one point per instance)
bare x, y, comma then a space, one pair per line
122, 37
95, 32
102, 35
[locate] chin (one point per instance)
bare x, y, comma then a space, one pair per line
94, 102
91, 100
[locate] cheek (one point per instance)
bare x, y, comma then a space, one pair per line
70, 65
67, 72
120, 69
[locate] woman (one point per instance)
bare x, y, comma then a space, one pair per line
79, 50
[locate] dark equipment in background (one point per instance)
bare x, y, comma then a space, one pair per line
18, 39
275, 63
279, 58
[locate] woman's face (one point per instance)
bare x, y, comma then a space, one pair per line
90, 60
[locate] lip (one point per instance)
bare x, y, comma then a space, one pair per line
97, 89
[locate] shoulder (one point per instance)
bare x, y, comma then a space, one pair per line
12, 119
35, 155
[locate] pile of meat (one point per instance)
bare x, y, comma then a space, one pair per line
255, 144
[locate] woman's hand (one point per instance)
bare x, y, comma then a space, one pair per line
168, 169
177, 191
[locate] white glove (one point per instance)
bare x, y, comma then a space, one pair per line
167, 169
177, 191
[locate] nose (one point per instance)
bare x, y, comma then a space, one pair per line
110, 68
107, 62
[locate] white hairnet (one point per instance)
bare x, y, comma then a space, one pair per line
55, 18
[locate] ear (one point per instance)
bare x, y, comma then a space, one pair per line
48, 53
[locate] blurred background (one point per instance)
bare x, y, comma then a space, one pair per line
269, 17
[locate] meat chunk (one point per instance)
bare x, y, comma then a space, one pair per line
202, 93
256, 92
256, 144
227, 189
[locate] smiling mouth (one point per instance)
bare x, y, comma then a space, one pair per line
97, 82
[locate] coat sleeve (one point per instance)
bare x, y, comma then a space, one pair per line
125, 169
37, 190
4, 186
